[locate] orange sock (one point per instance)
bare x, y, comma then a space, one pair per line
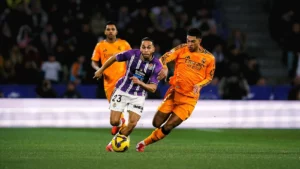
156, 135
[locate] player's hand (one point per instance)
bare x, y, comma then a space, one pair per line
196, 89
98, 74
135, 80
162, 74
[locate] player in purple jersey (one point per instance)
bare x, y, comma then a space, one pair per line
131, 90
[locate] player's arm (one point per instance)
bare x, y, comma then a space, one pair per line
151, 87
120, 57
209, 73
95, 64
166, 58
96, 57
109, 62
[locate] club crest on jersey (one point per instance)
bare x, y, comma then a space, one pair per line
203, 60
104, 50
150, 66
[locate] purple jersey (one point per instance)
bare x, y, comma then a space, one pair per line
146, 71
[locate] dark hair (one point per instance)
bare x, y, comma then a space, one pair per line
147, 39
194, 32
110, 23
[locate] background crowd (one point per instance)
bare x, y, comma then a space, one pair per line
51, 42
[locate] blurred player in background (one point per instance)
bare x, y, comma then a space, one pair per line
194, 68
131, 90
104, 50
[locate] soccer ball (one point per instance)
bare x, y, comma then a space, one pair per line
120, 143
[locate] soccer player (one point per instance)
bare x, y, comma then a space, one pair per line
104, 50
194, 68
131, 90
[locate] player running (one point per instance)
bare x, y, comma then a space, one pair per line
194, 68
131, 90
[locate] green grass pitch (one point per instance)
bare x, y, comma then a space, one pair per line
66, 148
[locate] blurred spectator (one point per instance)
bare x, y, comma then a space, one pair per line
237, 39
204, 20
24, 36
165, 20
141, 24
8, 73
212, 39
220, 58
65, 49
32, 53
30, 30
291, 50
15, 55
45, 90
51, 69
252, 71
39, 17
234, 86
48, 38
71, 91
85, 41
77, 73
6, 38
294, 93
282, 14
123, 19
235, 55
30, 73
97, 24
157, 53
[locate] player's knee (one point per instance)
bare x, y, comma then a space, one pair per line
114, 122
156, 124
168, 127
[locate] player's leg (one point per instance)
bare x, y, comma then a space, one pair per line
163, 113
164, 110
115, 118
125, 129
121, 120
160, 118
114, 121
160, 133
135, 109
134, 106
132, 122
117, 106
180, 113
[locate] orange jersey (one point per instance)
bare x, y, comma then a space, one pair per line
191, 68
105, 50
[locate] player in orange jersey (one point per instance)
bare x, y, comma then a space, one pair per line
194, 68
104, 50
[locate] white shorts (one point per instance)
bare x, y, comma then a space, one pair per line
120, 100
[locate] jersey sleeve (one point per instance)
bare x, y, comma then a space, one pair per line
153, 78
171, 55
96, 53
209, 73
127, 45
123, 56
